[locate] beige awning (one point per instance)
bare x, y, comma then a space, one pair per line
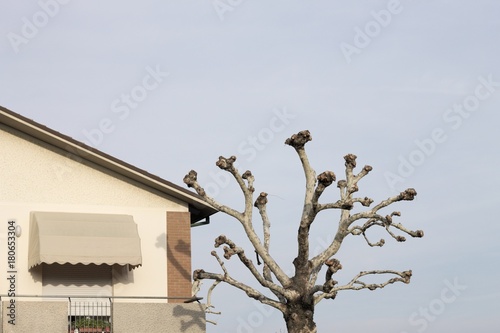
83, 238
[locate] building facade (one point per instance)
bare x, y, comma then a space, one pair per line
90, 243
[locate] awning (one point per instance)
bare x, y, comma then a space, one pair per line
83, 238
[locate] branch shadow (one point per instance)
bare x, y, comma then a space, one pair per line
161, 241
180, 247
185, 249
194, 317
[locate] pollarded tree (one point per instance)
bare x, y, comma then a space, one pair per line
296, 296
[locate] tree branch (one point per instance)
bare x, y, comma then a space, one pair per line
325, 179
408, 195
209, 306
230, 250
251, 292
357, 284
347, 188
191, 180
261, 204
298, 141
227, 164
385, 222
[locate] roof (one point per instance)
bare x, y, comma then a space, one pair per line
199, 209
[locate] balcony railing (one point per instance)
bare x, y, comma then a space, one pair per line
89, 316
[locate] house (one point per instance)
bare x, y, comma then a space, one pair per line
88, 239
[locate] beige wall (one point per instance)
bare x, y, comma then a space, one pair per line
32, 172
41, 317
158, 317
36, 177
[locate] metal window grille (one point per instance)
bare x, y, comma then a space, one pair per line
90, 316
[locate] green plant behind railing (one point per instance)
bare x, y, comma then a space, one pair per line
90, 323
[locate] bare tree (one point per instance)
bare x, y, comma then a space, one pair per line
296, 296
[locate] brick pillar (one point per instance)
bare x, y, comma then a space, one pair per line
178, 255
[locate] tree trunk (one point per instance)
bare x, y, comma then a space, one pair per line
300, 318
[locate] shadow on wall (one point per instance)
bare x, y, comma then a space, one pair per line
180, 248
158, 317
194, 318
161, 241
81, 275
36, 273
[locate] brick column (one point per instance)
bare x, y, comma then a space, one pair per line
178, 255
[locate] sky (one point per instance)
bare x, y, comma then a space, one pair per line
410, 87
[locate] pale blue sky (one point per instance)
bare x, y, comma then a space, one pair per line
411, 87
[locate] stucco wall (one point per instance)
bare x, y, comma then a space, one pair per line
32, 171
40, 317
51, 316
158, 317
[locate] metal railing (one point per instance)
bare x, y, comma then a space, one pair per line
90, 316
